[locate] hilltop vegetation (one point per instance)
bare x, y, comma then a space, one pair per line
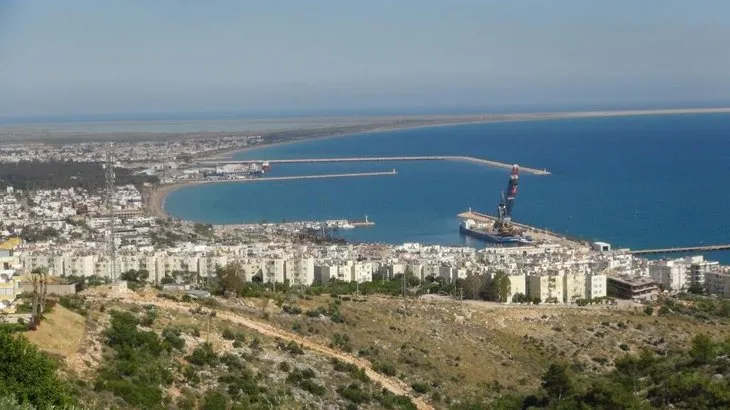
288, 351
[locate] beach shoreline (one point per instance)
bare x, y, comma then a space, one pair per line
473, 120
158, 194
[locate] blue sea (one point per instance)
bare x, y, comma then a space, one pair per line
638, 182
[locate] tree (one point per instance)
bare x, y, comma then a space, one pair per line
38, 279
229, 278
130, 275
29, 375
696, 288
499, 288
474, 286
557, 382
703, 349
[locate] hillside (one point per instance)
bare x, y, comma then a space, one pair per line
318, 351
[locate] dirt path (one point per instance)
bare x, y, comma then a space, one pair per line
392, 384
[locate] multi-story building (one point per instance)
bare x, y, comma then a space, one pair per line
631, 287
717, 282
670, 274
574, 287
549, 288
300, 271
518, 285
595, 286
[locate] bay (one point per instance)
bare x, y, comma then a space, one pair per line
639, 182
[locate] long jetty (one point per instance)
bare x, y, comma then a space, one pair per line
685, 249
481, 161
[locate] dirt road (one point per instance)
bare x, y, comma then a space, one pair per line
392, 384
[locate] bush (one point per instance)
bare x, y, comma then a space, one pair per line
385, 368
29, 375
203, 355
215, 400
624, 347
342, 341
354, 393
292, 310
313, 387
649, 310
284, 367
291, 347
421, 388
172, 337
354, 371
138, 370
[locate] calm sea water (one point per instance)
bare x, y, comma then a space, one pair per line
635, 182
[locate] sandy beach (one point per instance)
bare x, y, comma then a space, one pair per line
156, 198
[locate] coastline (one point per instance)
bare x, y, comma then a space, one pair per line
159, 193
470, 120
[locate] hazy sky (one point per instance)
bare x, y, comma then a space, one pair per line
92, 56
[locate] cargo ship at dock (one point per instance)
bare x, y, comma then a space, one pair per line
487, 233
502, 231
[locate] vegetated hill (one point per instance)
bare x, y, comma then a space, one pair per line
155, 353
277, 349
27, 175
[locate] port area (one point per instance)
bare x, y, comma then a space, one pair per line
322, 227
249, 178
538, 235
480, 161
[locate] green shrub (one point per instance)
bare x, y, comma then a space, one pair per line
385, 368
354, 393
342, 341
284, 367
172, 337
28, 375
215, 400
421, 387
203, 355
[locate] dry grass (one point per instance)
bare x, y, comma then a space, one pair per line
61, 332
484, 348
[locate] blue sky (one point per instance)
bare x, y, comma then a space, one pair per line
137, 56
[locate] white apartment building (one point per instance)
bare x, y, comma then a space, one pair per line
549, 288
518, 284
574, 287
671, 274
595, 286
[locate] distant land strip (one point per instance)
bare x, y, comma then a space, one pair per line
314, 127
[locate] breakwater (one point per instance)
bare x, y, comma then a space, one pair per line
480, 161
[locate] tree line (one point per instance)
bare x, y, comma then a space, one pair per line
30, 175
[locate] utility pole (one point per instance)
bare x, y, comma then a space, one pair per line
111, 241
461, 298
207, 336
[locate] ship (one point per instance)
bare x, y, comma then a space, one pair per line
502, 230
486, 233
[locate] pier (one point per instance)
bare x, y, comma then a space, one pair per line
480, 161
685, 249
